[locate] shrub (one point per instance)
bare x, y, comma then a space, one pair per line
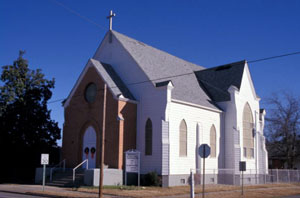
151, 179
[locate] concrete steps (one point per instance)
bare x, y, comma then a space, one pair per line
65, 179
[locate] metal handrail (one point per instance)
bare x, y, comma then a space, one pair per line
74, 169
56, 166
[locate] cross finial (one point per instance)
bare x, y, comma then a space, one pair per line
111, 15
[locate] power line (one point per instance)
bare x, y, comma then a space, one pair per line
190, 73
151, 80
79, 15
273, 57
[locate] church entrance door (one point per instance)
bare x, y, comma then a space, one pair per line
89, 147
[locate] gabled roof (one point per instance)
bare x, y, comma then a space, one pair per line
216, 81
113, 80
160, 66
109, 76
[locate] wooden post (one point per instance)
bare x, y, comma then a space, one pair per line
203, 183
243, 183
103, 142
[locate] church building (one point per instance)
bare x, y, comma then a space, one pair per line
165, 108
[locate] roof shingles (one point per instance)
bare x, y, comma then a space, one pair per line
217, 80
158, 65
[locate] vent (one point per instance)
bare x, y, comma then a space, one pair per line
182, 181
223, 67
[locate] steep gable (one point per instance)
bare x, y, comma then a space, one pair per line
109, 76
216, 81
160, 66
247, 86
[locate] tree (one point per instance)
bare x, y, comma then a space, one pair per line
26, 127
283, 128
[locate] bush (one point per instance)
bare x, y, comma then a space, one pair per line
151, 179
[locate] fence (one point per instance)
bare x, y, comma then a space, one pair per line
233, 177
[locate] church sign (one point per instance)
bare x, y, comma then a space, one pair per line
132, 160
132, 163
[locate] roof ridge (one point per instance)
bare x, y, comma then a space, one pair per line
161, 51
157, 65
228, 64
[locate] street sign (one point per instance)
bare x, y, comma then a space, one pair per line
242, 166
44, 162
204, 150
242, 169
45, 159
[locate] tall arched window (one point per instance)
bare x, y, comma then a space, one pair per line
183, 139
213, 138
148, 137
248, 139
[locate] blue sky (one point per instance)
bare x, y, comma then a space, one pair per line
208, 33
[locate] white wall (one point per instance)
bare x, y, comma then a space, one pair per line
247, 95
193, 116
151, 100
234, 122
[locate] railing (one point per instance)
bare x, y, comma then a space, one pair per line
250, 176
63, 163
74, 169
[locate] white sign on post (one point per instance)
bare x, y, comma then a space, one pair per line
44, 162
45, 159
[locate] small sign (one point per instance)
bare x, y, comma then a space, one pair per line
45, 159
132, 162
204, 150
242, 166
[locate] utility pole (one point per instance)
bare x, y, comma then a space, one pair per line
103, 142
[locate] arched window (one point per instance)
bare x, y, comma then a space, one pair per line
183, 139
148, 137
248, 139
213, 138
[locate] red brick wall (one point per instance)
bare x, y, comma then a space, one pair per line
119, 135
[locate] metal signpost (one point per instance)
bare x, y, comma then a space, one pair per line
204, 152
132, 164
192, 185
44, 162
242, 169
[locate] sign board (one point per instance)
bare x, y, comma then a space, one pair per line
132, 164
242, 166
204, 150
45, 159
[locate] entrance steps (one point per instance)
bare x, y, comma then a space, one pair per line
65, 179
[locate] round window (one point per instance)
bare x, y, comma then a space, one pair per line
90, 92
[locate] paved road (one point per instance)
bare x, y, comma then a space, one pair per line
16, 195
